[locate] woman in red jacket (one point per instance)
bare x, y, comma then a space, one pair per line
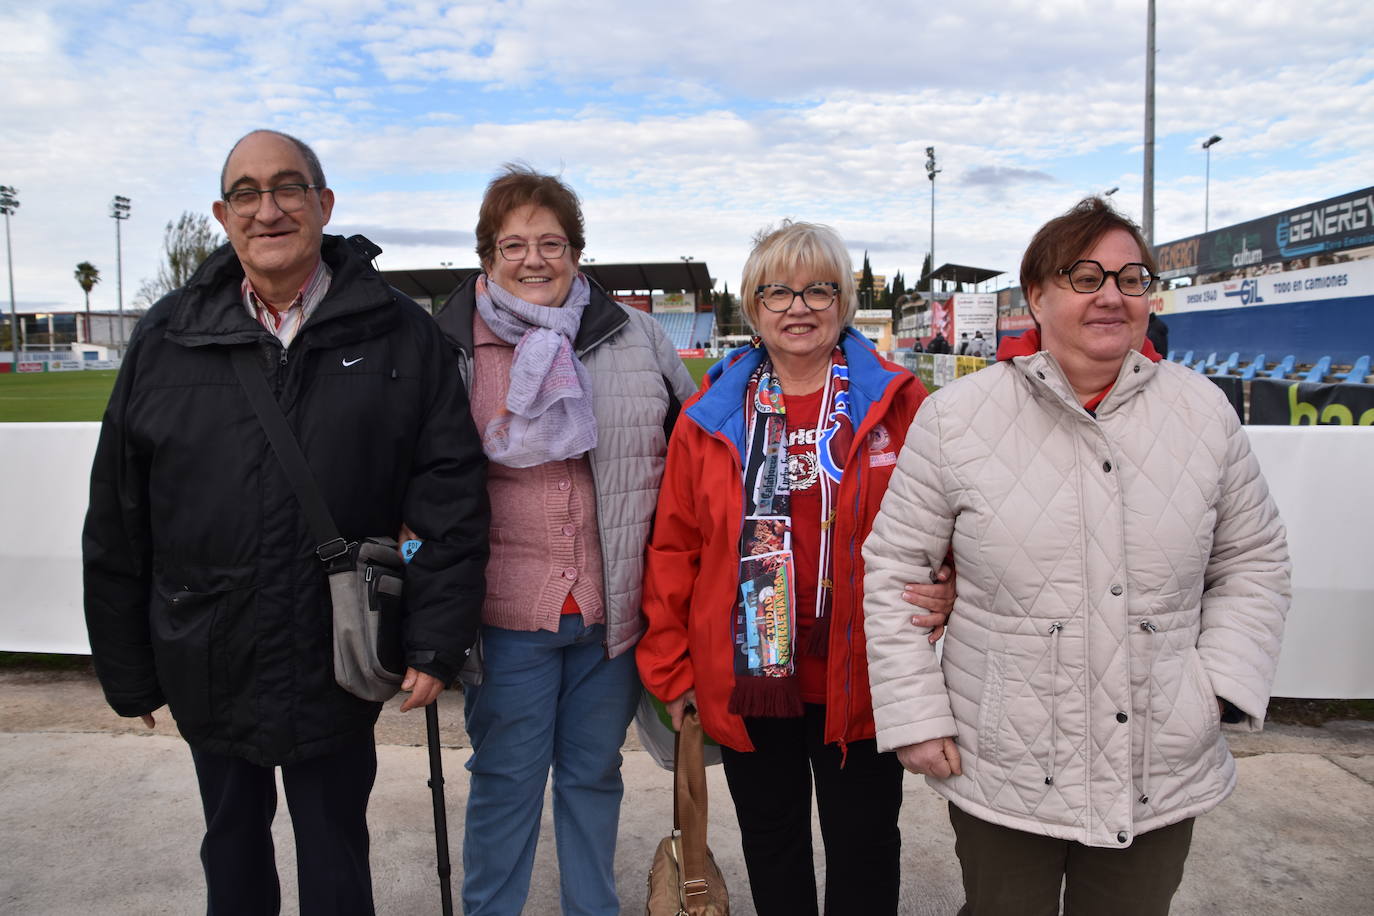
753, 584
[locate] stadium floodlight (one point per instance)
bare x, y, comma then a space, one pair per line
9, 202
931, 172
119, 212
1207, 185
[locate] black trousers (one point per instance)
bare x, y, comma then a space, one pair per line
1009, 872
858, 805
327, 797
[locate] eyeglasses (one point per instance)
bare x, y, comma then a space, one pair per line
1088, 276
288, 197
778, 298
517, 249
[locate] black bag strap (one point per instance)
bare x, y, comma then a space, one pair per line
333, 549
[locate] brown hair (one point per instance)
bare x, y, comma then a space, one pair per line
1067, 238
517, 186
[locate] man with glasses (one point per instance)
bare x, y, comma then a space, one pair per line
203, 587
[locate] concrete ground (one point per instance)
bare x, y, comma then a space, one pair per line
99, 816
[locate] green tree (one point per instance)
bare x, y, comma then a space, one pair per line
894, 295
727, 313
866, 285
186, 242
926, 267
87, 276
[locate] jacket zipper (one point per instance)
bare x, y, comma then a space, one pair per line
1055, 629
1149, 627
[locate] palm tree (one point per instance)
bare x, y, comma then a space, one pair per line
87, 275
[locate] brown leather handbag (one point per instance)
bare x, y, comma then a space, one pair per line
684, 879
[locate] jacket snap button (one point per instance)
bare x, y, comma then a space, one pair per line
1136, 369
1121, 837
1116, 590
1107, 466
1041, 374
1121, 717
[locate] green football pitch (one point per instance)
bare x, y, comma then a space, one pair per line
47, 397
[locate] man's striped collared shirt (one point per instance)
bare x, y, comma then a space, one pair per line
286, 323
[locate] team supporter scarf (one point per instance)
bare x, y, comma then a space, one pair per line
764, 624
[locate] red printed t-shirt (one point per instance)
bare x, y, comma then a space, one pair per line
803, 480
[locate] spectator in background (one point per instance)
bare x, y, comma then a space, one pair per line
978, 346
938, 343
1158, 333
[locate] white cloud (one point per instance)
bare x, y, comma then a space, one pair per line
683, 133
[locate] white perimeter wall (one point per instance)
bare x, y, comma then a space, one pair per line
1321, 477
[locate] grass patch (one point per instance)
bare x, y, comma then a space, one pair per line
697, 365
42, 661
52, 397
1317, 712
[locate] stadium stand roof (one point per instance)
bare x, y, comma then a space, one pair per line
961, 273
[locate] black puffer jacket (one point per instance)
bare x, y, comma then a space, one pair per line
202, 587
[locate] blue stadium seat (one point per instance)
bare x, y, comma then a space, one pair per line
1170, 357
1357, 373
1318, 372
1232, 362
1253, 369
1187, 359
704, 329
1284, 367
678, 327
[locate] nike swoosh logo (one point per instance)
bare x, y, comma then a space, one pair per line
351, 362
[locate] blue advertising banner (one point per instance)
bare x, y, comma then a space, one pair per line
1328, 226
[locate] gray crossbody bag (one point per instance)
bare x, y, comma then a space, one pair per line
366, 577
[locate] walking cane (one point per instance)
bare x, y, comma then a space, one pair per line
436, 786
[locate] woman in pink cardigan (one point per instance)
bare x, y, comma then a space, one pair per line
572, 394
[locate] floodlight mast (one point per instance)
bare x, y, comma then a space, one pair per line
931, 172
119, 212
9, 202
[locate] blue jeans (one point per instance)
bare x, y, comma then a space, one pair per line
547, 699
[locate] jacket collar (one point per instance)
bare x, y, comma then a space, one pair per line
720, 406
602, 318
1047, 379
209, 308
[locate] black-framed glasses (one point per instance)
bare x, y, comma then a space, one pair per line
517, 249
288, 197
1088, 276
778, 298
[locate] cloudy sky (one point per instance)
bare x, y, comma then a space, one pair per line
684, 127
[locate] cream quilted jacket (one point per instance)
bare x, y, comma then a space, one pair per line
1115, 575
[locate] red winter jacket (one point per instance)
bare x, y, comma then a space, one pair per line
692, 565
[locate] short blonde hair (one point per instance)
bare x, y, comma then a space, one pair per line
793, 246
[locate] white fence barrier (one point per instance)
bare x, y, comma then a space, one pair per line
1319, 475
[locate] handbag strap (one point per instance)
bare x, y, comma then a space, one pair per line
333, 549
689, 803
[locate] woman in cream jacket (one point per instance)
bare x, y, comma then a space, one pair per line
1123, 584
